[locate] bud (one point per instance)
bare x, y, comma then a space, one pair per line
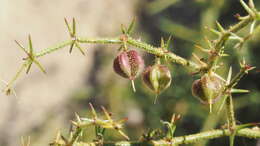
128, 64
208, 88
157, 78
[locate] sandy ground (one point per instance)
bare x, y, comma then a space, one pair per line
38, 94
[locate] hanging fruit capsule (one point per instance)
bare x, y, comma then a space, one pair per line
129, 64
208, 88
157, 78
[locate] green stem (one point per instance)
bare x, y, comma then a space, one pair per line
146, 47
230, 113
231, 120
18, 73
224, 37
54, 48
151, 49
130, 41
187, 139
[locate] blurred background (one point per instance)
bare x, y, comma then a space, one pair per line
47, 103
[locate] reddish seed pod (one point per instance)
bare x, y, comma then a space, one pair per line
128, 64
157, 78
208, 88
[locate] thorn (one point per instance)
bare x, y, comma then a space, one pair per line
208, 42
235, 37
229, 76
75, 123
123, 134
251, 4
68, 27
64, 139
29, 67
106, 114
155, 99
252, 27
30, 45
247, 8
233, 90
224, 55
213, 31
162, 42
72, 45
93, 111
122, 120
77, 117
175, 118
133, 85
27, 143
21, 47
222, 104
73, 27
40, 66
201, 48
72, 32
131, 26
123, 29
58, 134
30, 55
80, 49
210, 107
8, 90
199, 60
220, 28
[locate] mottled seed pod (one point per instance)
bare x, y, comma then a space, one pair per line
128, 64
208, 89
157, 78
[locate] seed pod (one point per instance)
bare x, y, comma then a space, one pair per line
208, 88
128, 64
157, 78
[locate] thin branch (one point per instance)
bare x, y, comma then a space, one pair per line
224, 37
212, 134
